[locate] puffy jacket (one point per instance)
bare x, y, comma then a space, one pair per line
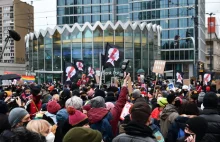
168, 115
135, 132
213, 131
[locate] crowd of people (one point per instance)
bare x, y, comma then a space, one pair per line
81, 112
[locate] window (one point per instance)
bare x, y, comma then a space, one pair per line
96, 9
95, 18
87, 9
6, 15
105, 8
87, 18
7, 8
122, 1
60, 11
60, 2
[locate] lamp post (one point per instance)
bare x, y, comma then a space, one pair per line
210, 53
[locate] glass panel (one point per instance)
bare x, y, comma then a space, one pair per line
86, 1
172, 55
69, 2
98, 45
145, 50
95, 18
41, 52
56, 51
177, 55
119, 42
87, 9
163, 56
181, 55
86, 47
95, 1
66, 40
167, 55
105, 8
122, 1
60, 2
129, 48
137, 48
104, 18
87, 18
35, 48
60, 11
76, 37
96, 9
48, 52
186, 55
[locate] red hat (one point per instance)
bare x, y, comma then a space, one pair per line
87, 107
53, 107
76, 117
207, 89
51, 88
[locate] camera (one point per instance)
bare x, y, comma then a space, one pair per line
123, 68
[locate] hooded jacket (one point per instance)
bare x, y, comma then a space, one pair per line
99, 119
136, 132
168, 115
213, 119
179, 123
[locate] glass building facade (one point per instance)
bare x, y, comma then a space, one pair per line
138, 42
185, 18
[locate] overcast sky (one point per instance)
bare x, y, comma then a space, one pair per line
44, 13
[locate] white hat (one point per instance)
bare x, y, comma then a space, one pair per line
185, 87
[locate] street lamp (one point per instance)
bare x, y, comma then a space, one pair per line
210, 53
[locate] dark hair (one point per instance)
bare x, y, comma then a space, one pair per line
140, 112
189, 108
24, 135
210, 100
170, 98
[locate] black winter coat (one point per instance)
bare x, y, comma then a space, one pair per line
213, 131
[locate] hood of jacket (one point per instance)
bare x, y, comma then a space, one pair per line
136, 129
97, 114
167, 111
181, 121
209, 111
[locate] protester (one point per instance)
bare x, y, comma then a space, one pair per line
196, 128
210, 113
4, 124
168, 115
138, 130
43, 128
80, 134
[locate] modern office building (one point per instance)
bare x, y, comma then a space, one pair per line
180, 19
49, 49
18, 16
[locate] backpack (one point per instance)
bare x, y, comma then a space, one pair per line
104, 127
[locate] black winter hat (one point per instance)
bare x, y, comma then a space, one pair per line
99, 93
197, 125
140, 112
35, 90
210, 100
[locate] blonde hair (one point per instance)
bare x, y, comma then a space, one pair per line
39, 126
56, 97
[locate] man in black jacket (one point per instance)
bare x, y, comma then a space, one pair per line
138, 130
210, 113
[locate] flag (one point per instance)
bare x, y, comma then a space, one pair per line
69, 71
179, 77
91, 72
207, 78
79, 65
112, 55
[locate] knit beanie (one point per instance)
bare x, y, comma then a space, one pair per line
98, 102
16, 115
210, 100
53, 107
8, 93
76, 117
136, 94
62, 115
207, 88
162, 102
140, 112
197, 125
80, 134
3, 107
